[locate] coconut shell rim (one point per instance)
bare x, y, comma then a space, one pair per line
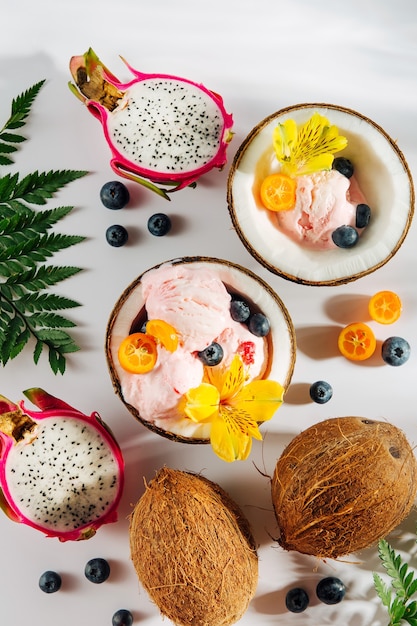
180, 261
286, 274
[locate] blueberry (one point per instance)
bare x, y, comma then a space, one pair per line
114, 195
50, 582
395, 351
321, 392
159, 224
343, 166
122, 617
212, 355
97, 570
239, 310
296, 600
345, 236
363, 215
116, 235
259, 325
330, 590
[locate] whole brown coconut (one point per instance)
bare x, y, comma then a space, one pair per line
341, 485
193, 550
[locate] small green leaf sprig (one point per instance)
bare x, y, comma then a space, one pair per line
27, 309
396, 597
20, 110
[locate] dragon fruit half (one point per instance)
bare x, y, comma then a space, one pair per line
61, 471
161, 129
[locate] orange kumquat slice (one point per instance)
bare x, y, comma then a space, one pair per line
357, 341
278, 192
137, 353
385, 307
164, 333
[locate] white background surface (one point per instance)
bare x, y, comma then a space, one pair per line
260, 56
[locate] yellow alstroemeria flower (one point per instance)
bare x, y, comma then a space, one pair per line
308, 148
233, 408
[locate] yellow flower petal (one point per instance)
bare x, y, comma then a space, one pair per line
309, 148
201, 402
259, 399
284, 136
233, 380
316, 164
230, 442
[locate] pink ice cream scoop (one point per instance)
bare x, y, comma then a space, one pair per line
197, 305
324, 201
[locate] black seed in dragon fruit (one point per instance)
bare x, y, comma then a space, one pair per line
61, 472
164, 132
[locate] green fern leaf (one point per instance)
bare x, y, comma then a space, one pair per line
12, 137
28, 310
403, 584
36, 302
50, 320
382, 590
36, 188
19, 112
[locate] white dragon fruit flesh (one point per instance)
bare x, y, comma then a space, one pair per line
61, 472
163, 131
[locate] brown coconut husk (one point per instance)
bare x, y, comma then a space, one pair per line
341, 485
193, 550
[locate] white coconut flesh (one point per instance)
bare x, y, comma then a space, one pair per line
167, 126
280, 341
66, 478
382, 174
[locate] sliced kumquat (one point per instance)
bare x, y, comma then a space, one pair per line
163, 333
385, 307
278, 192
357, 341
137, 353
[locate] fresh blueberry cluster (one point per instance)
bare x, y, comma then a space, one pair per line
97, 571
115, 195
329, 590
257, 323
346, 236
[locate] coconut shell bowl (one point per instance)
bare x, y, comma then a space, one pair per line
381, 172
130, 315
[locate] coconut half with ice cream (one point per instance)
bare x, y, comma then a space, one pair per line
298, 244
213, 378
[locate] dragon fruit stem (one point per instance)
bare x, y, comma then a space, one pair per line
14, 422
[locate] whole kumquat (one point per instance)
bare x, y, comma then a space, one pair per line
385, 307
357, 341
278, 192
137, 353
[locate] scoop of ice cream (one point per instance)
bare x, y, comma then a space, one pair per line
197, 304
325, 200
156, 394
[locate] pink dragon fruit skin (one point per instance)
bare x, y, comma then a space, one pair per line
152, 143
50, 474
